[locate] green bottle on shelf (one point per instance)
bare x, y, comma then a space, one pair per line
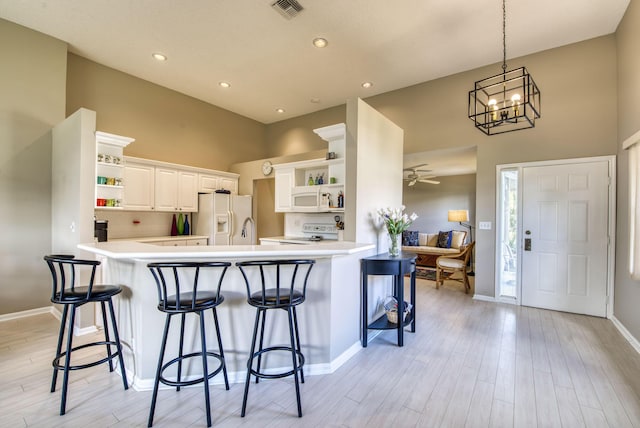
310, 182
180, 224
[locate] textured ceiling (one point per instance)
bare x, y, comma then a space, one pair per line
271, 62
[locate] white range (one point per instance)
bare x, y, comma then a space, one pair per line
312, 233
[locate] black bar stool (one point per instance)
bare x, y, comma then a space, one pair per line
67, 293
283, 285
173, 300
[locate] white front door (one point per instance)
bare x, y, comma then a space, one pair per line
565, 232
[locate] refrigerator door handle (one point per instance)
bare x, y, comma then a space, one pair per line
232, 227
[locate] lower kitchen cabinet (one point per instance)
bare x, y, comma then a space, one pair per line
196, 242
174, 243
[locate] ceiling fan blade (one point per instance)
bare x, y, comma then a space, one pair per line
429, 181
411, 168
423, 170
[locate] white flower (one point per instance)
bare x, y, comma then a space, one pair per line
395, 220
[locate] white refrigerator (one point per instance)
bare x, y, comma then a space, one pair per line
226, 219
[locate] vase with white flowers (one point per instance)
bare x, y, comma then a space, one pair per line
396, 221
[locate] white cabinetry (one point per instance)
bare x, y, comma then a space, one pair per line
166, 189
161, 186
187, 191
175, 190
296, 177
196, 242
284, 177
109, 170
139, 184
208, 183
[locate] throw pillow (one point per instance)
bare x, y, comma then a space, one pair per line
444, 239
457, 238
410, 238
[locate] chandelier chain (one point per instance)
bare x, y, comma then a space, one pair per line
504, 36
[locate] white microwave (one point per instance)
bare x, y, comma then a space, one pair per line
309, 199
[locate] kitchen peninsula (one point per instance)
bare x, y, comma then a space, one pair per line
328, 320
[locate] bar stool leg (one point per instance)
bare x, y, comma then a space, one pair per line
224, 364
264, 317
250, 362
67, 362
63, 324
295, 323
118, 345
163, 346
180, 353
205, 369
294, 358
106, 333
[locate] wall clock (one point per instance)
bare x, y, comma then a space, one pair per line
267, 168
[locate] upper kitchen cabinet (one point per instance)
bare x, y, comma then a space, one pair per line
208, 183
139, 185
284, 176
109, 170
161, 186
315, 185
175, 190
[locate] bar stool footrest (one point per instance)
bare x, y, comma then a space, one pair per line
263, 375
192, 381
114, 354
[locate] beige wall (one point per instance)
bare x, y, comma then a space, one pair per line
627, 292
432, 202
294, 136
167, 125
32, 84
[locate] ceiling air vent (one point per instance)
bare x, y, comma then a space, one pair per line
288, 8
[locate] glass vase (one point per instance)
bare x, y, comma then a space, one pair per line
394, 245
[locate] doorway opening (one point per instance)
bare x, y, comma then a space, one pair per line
555, 227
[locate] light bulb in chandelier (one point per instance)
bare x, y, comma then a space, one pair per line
493, 107
515, 103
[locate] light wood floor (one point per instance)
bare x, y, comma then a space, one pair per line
469, 364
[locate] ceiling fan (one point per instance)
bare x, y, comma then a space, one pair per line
415, 175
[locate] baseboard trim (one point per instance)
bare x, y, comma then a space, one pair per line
27, 313
484, 298
627, 335
240, 376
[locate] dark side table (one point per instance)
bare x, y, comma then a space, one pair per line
384, 264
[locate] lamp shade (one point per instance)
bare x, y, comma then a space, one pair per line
458, 215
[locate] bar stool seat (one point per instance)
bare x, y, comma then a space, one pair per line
179, 294
273, 295
275, 284
65, 292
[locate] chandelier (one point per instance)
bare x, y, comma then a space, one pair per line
506, 102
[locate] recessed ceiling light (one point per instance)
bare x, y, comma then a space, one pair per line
367, 85
158, 56
224, 84
315, 100
320, 42
279, 110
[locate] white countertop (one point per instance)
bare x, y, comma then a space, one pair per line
128, 249
159, 238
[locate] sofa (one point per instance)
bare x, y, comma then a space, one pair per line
430, 246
